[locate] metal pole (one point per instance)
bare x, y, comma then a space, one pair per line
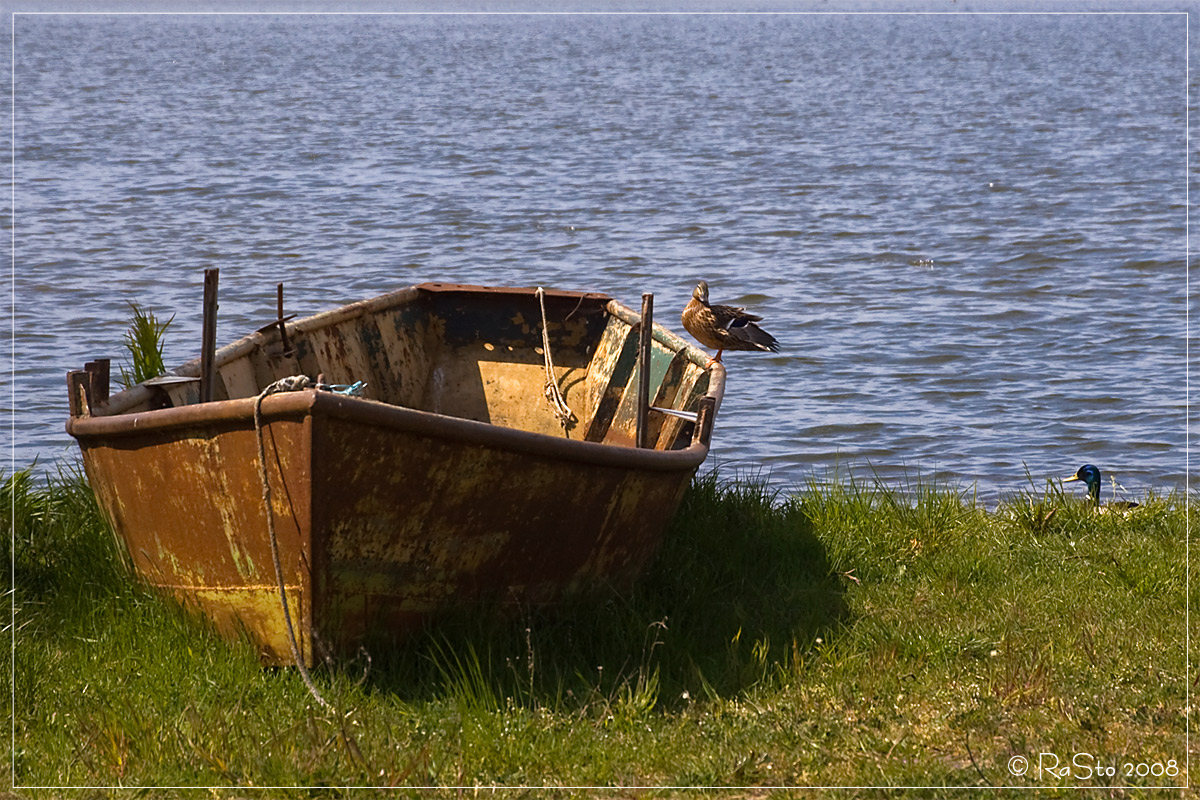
208, 342
647, 336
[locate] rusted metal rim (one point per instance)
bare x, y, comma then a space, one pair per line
371, 412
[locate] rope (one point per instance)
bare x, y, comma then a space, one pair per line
293, 384
554, 395
349, 389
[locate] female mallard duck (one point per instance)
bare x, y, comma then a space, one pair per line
724, 327
1090, 475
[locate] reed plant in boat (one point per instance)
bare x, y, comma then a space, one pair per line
143, 342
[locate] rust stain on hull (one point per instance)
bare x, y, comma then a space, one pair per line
392, 508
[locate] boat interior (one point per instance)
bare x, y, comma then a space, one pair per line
467, 352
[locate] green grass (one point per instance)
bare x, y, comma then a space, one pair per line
144, 343
850, 634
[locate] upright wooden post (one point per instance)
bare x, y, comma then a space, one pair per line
644, 341
704, 420
98, 381
208, 342
78, 389
283, 340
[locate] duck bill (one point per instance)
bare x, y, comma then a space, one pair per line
1072, 478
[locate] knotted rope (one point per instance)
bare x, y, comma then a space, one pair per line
294, 383
554, 395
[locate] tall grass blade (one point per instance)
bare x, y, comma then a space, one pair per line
144, 343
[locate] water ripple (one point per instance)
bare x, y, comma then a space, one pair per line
967, 231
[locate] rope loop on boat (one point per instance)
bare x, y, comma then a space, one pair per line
294, 383
554, 395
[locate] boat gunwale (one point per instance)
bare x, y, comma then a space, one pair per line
316, 403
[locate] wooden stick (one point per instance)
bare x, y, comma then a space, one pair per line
287, 348
98, 380
78, 387
704, 421
208, 342
644, 341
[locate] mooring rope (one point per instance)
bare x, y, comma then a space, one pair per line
554, 395
294, 383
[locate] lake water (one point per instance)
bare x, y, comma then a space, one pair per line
967, 231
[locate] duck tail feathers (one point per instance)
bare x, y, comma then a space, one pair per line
760, 339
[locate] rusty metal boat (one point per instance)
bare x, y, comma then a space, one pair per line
449, 482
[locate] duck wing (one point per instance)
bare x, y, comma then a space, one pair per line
731, 316
741, 332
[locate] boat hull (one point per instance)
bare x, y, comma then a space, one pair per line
385, 516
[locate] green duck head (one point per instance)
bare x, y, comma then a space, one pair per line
1090, 475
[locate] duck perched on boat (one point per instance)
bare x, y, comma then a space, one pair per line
1090, 475
724, 327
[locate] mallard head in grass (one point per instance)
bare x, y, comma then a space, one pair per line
724, 327
1090, 475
